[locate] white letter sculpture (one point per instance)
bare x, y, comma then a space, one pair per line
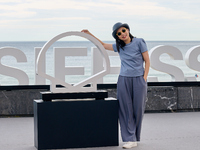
78, 87
191, 58
20, 75
175, 72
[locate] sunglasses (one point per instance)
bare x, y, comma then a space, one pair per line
119, 33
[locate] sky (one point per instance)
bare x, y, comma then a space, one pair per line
153, 20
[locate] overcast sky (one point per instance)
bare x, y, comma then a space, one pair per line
153, 20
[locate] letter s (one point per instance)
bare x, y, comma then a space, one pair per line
174, 72
191, 58
10, 71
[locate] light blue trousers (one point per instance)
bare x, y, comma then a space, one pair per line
131, 93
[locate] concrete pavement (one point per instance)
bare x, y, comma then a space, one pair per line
160, 131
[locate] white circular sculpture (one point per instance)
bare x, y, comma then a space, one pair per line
78, 87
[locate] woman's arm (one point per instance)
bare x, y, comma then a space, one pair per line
147, 64
105, 45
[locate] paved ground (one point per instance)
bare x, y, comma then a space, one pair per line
161, 131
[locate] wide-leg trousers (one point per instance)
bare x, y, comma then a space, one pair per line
131, 93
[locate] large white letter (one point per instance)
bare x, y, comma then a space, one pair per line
174, 53
191, 58
97, 63
21, 76
60, 69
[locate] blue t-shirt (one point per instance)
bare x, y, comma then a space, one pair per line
131, 58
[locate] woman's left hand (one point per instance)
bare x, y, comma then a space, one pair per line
147, 64
145, 79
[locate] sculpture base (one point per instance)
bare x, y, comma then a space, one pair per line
48, 96
75, 124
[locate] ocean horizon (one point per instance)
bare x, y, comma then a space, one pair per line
29, 67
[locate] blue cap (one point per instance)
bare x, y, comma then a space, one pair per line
117, 26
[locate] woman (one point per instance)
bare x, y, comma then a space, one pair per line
131, 85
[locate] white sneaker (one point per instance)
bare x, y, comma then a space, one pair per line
130, 145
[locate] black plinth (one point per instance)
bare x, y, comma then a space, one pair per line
48, 96
75, 124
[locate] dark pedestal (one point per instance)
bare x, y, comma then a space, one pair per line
75, 124
48, 96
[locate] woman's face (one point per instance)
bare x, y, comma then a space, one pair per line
123, 34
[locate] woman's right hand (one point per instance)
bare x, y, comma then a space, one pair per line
86, 31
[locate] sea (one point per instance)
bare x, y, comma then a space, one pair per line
29, 67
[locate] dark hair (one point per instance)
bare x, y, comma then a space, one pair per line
121, 44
